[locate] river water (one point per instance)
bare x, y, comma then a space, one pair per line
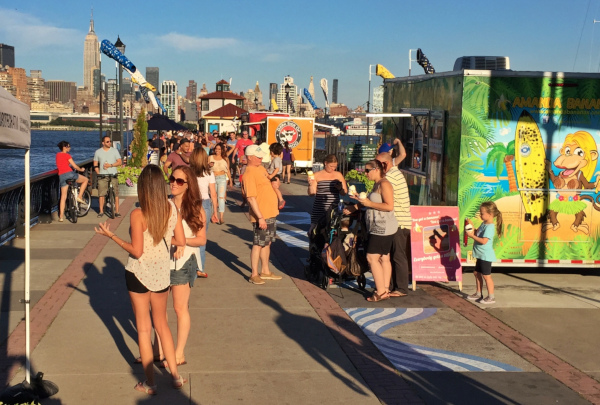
43, 152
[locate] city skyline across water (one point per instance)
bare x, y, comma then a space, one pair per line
208, 42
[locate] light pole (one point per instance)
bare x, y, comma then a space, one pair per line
100, 84
287, 97
369, 100
410, 59
256, 102
121, 47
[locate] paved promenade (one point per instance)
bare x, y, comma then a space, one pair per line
289, 341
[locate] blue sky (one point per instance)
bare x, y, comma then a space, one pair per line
266, 40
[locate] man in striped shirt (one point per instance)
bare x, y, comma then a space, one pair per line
401, 256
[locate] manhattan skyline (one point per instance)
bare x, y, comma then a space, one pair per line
263, 42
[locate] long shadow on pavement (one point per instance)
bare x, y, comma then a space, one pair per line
297, 328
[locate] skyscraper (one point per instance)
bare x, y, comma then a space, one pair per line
152, 76
334, 97
91, 56
287, 101
191, 90
272, 94
7, 55
169, 99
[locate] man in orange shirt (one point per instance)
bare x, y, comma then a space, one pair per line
263, 213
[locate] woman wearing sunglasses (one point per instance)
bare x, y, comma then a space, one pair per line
185, 193
219, 166
382, 226
154, 227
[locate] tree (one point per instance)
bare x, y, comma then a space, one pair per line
502, 156
139, 144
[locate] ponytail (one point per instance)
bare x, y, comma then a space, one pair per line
491, 208
499, 223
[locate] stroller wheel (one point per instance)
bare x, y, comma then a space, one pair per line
323, 281
361, 281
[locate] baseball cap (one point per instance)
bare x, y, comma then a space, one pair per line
255, 150
386, 147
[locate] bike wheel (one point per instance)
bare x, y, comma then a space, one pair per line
109, 204
71, 208
85, 208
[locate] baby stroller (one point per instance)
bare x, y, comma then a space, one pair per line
336, 249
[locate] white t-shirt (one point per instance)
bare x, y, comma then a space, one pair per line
203, 183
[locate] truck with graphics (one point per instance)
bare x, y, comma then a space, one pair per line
281, 127
526, 140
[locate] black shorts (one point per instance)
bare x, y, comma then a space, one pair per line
276, 177
135, 286
483, 267
379, 244
264, 237
286, 162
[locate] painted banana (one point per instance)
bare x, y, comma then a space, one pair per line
530, 162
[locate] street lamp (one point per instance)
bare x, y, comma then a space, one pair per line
121, 47
256, 102
369, 99
100, 84
287, 97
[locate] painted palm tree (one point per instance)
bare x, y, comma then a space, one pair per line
501, 156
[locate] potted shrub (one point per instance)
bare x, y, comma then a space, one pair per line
129, 174
359, 179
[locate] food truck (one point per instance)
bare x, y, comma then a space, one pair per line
526, 140
280, 127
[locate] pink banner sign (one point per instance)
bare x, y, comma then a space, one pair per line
435, 244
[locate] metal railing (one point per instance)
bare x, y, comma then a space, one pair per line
44, 200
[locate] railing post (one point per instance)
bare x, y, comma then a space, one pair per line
20, 225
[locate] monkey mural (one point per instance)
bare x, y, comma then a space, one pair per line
576, 162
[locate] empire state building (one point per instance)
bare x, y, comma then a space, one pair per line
91, 56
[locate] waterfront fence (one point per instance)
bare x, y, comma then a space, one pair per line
44, 201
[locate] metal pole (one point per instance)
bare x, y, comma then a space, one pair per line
100, 82
409, 61
121, 104
27, 266
368, 103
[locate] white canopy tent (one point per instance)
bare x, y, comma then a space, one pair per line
15, 133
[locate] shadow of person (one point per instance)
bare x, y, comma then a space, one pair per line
446, 242
228, 258
108, 297
302, 330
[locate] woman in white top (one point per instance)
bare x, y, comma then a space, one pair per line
206, 182
219, 166
154, 227
184, 264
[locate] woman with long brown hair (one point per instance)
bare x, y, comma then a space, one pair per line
154, 227
219, 166
206, 183
185, 193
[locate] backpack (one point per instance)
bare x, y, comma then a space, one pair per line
334, 256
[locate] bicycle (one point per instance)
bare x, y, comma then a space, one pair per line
109, 199
73, 208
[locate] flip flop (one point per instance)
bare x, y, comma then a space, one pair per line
396, 294
201, 274
183, 363
178, 383
139, 360
376, 297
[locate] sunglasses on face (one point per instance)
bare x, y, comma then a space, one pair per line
180, 182
368, 170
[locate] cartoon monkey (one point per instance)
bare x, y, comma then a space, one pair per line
577, 161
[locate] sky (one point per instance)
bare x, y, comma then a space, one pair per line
266, 40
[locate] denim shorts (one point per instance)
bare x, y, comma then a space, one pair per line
183, 277
62, 179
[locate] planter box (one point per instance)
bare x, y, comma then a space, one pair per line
126, 191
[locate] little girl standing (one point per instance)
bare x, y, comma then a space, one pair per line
483, 250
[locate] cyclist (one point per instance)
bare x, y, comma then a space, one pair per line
64, 163
106, 161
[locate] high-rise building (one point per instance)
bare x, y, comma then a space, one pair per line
168, 98
191, 90
97, 82
334, 98
61, 91
7, 55
272, 95
37, 90
152, 76
287, 97
203, 90
111, 96
91, 56
311, 88
19, 78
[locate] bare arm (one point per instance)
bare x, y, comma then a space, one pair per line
344, 186
136, 247
262, 223
74, 166
166, 167
178, 238
401, 151
387, 197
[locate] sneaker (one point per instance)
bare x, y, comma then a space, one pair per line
117, 215
488, 300
270, 276
474, 297
256, 280
100, 215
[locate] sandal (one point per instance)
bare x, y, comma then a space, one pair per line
144, 387
376, 297
396, 294
139, 360
201, 274
178, 383
163, 364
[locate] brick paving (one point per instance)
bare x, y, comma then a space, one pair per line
573, 378
45, 311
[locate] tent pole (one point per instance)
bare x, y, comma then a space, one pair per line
27, 265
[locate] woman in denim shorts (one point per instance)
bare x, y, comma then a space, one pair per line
64, 163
